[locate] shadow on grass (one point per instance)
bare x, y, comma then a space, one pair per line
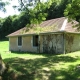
66, 74
43, 68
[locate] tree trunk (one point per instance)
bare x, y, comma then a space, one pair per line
5, 72
2, 66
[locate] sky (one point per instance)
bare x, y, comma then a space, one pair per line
10, 10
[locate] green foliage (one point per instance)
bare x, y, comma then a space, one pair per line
72, 10
41, 11
37, 14
2, 5
34, 15
13, 23
57, 8
6, 27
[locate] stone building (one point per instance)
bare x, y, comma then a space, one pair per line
51, 36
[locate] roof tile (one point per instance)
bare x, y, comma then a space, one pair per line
53, 25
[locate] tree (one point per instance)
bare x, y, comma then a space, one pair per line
32, 14
57, 8
2, 5
6, 27
72, 10
12, 23
20, 21
35, 9
37, 15
25, 4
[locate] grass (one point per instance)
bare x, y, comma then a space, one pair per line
42, 66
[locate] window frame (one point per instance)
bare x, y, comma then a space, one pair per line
34, 43
19, 39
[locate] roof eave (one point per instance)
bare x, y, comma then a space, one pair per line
55, 32
73, 32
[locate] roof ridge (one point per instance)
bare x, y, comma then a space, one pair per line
64, 25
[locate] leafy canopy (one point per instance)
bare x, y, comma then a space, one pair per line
2, 5
72, 10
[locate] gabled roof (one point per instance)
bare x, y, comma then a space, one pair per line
53, 25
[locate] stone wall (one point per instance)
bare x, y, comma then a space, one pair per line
53, 43
72, 42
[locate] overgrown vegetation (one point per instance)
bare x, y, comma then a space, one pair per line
32, 66
35, 11
41, 11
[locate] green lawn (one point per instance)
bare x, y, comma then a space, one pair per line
42, 66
